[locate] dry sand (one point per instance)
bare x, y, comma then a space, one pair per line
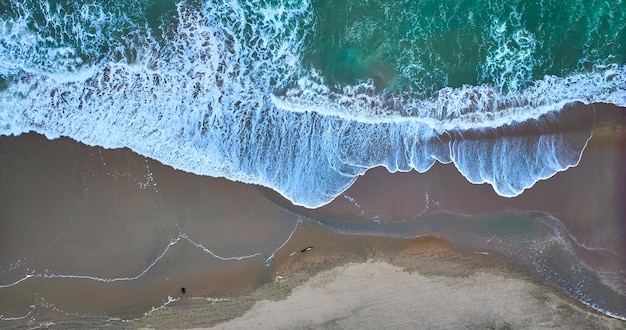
378, 295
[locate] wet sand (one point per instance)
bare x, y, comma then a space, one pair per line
79, 222
372, 282
569, 229
88, 234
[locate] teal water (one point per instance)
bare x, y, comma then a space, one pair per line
421, 46
424, 46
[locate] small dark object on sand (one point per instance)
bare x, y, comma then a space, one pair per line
307, 249
182, 290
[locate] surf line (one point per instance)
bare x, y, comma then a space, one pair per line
181, 236
268, 260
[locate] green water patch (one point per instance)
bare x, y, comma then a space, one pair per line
160, 15
425, 45
507, 225
4, 83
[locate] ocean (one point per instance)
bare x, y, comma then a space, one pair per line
305, 96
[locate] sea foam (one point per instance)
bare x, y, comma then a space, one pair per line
223, 92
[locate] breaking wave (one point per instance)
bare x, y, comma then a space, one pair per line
221, 89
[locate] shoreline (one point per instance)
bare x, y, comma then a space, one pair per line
429, 271
103, 203
338, 284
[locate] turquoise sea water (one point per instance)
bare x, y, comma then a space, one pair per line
424, 46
